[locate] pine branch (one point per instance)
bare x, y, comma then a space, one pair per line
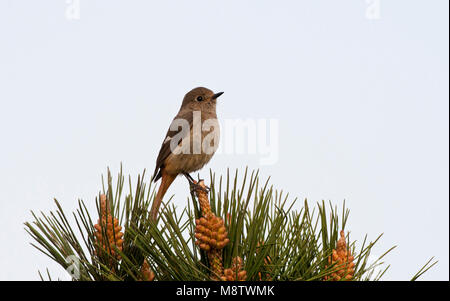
243, 229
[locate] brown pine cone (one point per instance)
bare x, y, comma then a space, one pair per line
147, 273
110, 226
267, 262
236, 272
342, 259
211, 233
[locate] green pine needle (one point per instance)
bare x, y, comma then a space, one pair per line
277, 238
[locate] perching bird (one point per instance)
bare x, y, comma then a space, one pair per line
190, 143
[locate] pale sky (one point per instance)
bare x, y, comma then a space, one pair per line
360, 96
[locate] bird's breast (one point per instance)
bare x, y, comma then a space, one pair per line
196, 150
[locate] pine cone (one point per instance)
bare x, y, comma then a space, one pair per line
108, 225
202, 197
267, 262
215, 262
147, 273
342, 260
236, 272
211, 233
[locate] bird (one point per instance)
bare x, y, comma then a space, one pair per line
190, 142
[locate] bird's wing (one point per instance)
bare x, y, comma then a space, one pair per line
165, 150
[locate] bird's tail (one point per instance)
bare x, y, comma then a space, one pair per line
166, 181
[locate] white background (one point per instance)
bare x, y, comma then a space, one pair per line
362, 106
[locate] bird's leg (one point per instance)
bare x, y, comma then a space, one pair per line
189, 178
206, 188
193, 184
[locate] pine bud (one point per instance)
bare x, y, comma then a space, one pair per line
147, 273
108, 225
236, 272
342, 260
210, 231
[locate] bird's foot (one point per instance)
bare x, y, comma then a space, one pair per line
195, 185
190, 179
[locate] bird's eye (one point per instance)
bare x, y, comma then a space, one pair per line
199, 98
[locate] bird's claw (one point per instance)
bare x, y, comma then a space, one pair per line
195, 186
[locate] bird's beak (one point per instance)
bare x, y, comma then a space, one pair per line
215, 96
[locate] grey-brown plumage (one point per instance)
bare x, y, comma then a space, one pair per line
198, 112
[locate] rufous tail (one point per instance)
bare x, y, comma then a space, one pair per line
166, 181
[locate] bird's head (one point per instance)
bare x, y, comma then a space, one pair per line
200, 99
